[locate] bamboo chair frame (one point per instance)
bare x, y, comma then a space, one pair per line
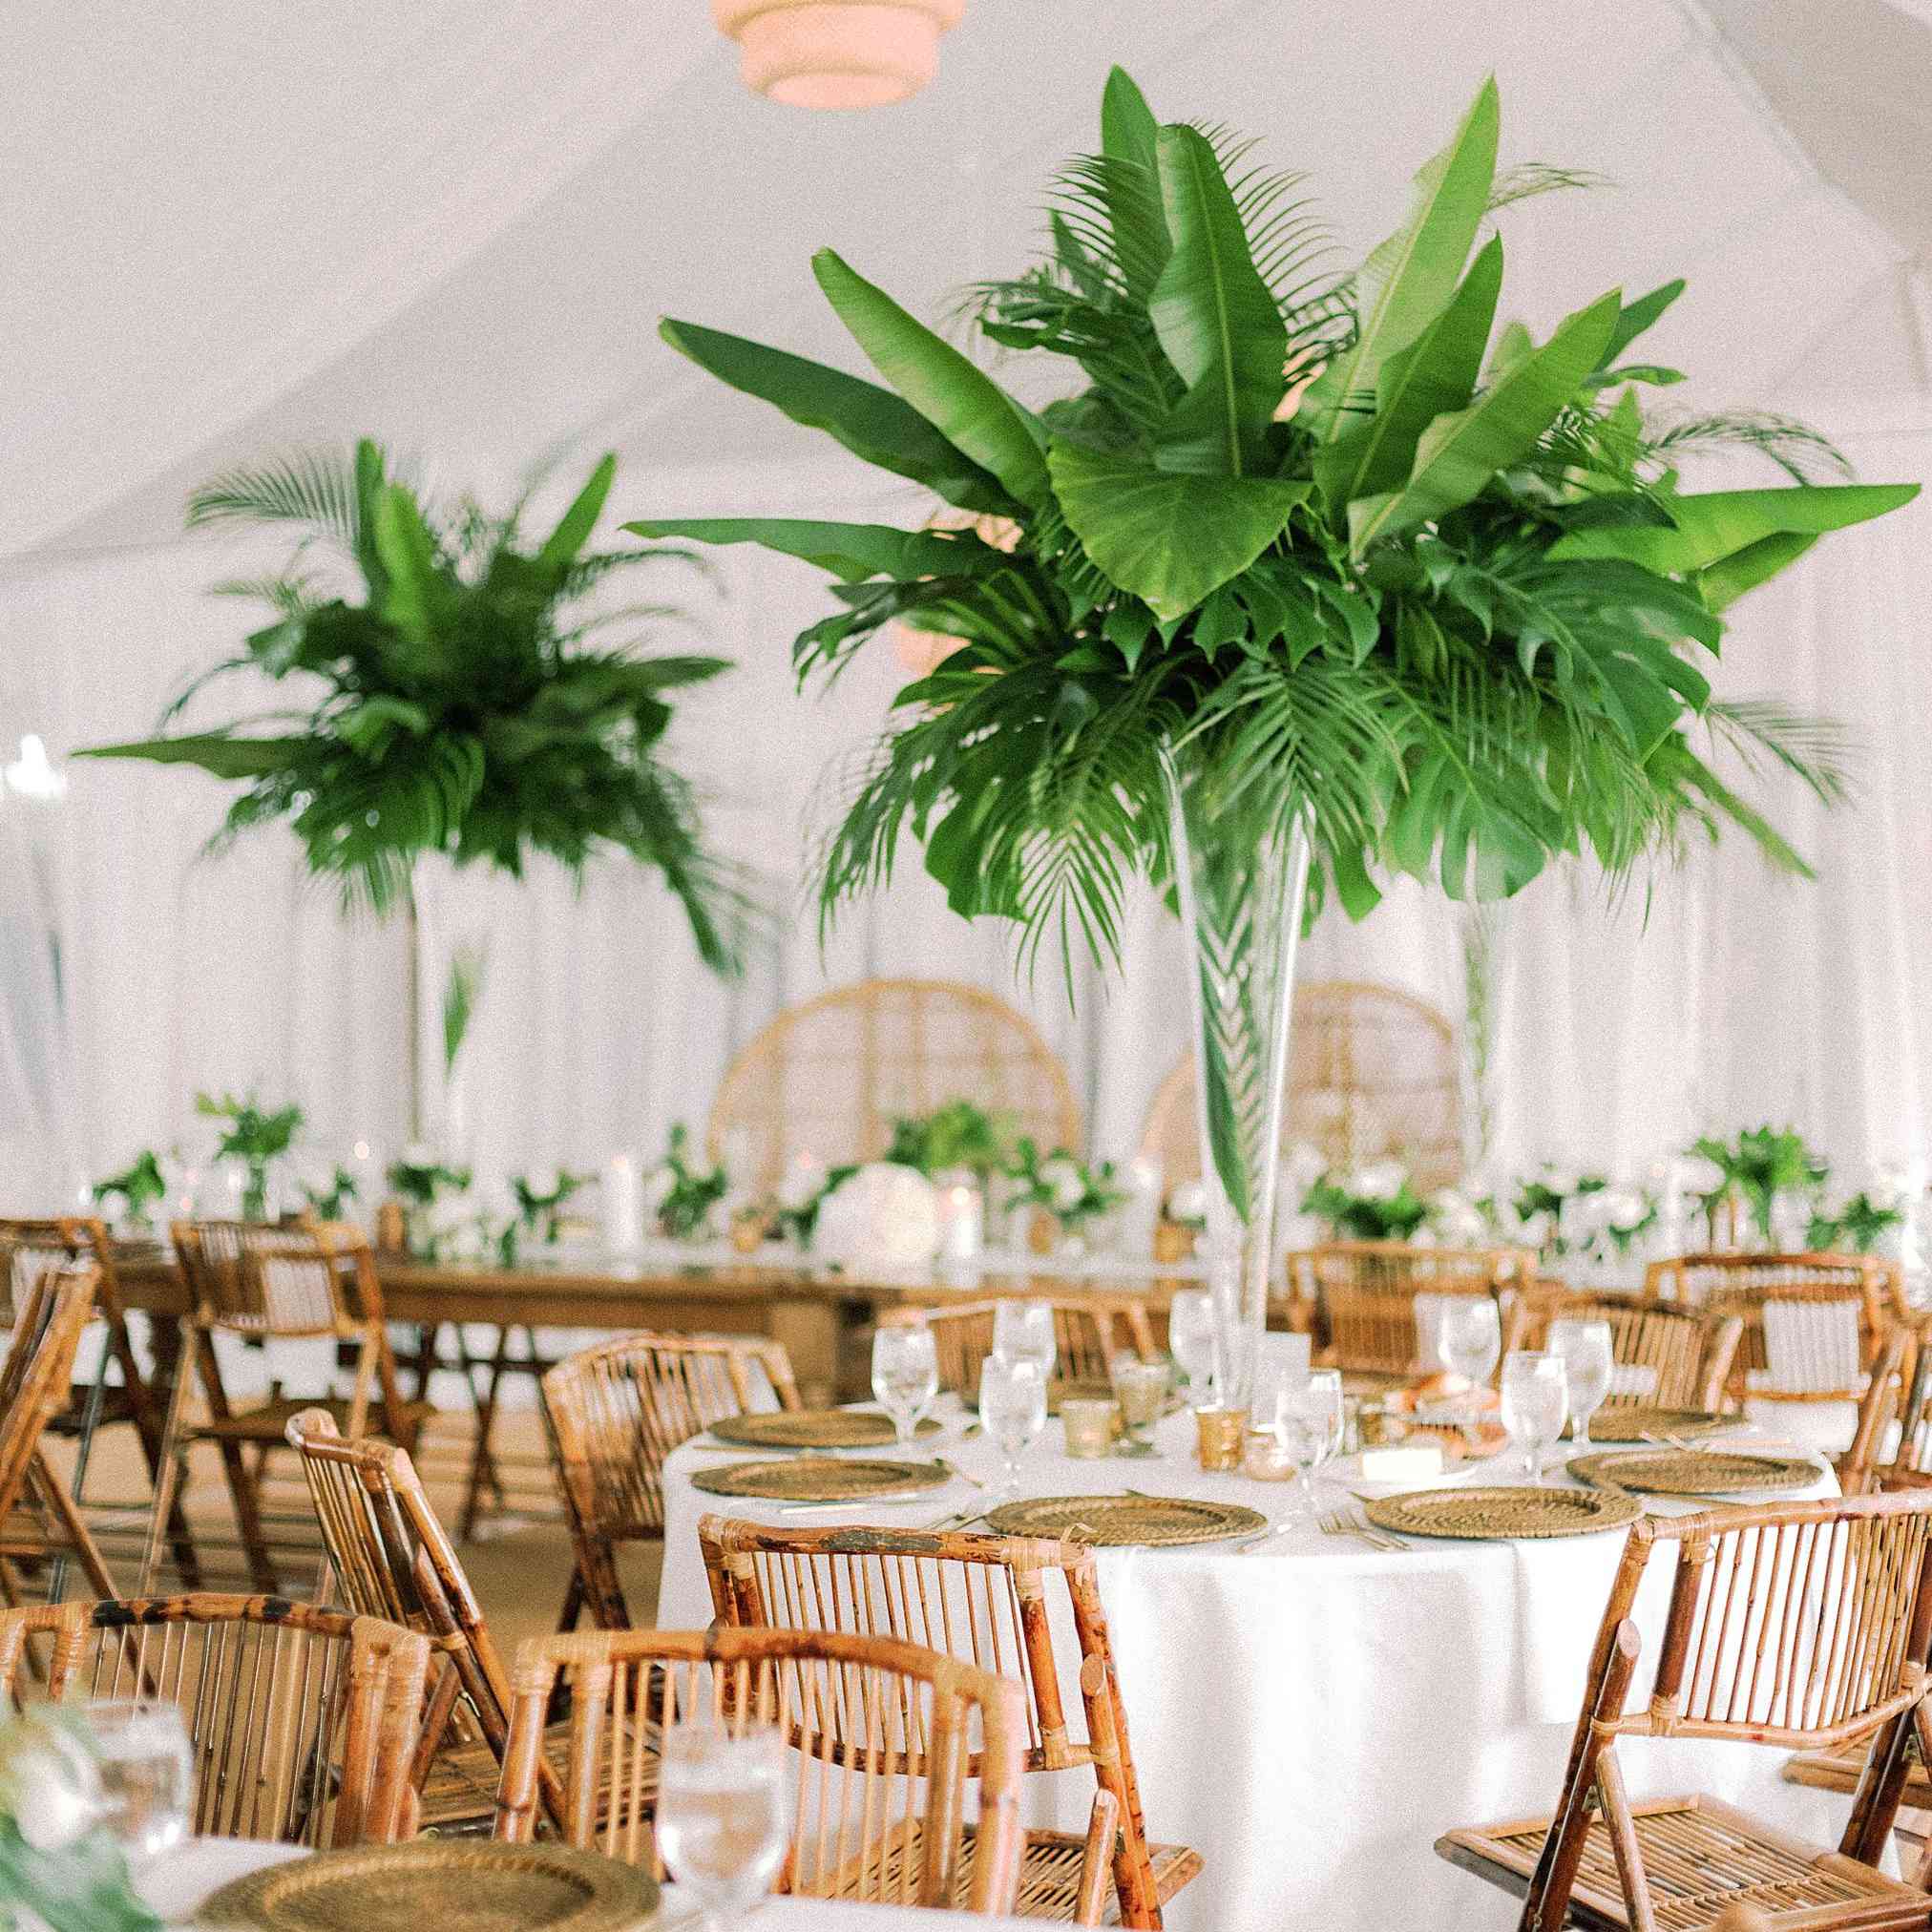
1741, 1284
394, 1560
917, 1711
1356, 1299
39, 1521
1691, 1352
1089, 1330
983, 1599
262, 1282
1372, 1073
887, 1054
1802, 1625
302, 1720
84, 1239
613, 1413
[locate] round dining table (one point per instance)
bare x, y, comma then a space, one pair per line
1310, 1716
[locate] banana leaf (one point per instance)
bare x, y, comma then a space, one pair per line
958, 397
876, 426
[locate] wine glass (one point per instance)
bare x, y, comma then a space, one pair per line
1310, 1411
1587, 1350
1535, 1404
146, 1768
1190, 1339
904, 1376
1012, 1408
1468, 1336
724, 1816
1022, 1331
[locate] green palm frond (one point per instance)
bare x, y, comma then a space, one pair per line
1531, 178
1800, 452
314, 488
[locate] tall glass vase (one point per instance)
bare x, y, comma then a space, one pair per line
1241, 881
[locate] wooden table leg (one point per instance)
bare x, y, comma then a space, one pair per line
809, 1331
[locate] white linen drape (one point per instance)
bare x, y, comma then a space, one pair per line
1724, 997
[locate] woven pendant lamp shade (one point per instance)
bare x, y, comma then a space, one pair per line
837, 53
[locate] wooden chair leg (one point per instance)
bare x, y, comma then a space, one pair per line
1623, 1831
1096, 1860
482, 1459
54, 1493
243, 1490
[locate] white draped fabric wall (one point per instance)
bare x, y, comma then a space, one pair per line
1720, 998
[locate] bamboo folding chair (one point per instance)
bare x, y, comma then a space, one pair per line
1665, 1356
264, 1283
29, 1246
983, 1599
885, 1738
1803, 1623
1813, 1324
39, 1523
302, 1721
1356, 1299
614, 1412
1088, 1330
392, 1559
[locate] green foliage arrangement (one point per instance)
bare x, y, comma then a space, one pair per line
419, 1178
796, 1216
138, 1186
1760, 1165
1062, 1186
687, 1191
1362, 552
468, 704
959, 1135
330, 1200
540, 1203
1861, 1225
1375, 1206
258, 1140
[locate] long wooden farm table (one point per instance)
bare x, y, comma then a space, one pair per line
819, 1318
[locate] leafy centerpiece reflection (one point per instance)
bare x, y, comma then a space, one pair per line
1309, 578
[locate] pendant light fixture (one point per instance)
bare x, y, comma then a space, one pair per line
837, 53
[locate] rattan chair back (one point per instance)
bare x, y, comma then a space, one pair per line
1088, 1330
1828, 1316
616, 1411
989, 1600
1372, 1075
392, 1559
1357, 1298
826, 1080
886, 1738
1667, 1356
302, 1721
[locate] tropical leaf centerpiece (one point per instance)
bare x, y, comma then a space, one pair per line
467, 702
1331, 553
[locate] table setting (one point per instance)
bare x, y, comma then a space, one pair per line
1403, 1625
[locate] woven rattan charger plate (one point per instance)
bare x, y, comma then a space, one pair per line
819, 1479
486, 1887
1115, 1521
1634, 1425
1694, 1472
812, 1429
1503, 1514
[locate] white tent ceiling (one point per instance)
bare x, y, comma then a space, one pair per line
455, 223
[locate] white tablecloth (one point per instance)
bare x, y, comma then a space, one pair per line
180, 1882
1310, 1717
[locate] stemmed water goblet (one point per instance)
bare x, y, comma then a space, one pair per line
1012, 1409
1022, 1331
145, 1768
1309, 1410
904, 1376
1535, 1405
724, 1816
1190, 1339
1587, 1350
